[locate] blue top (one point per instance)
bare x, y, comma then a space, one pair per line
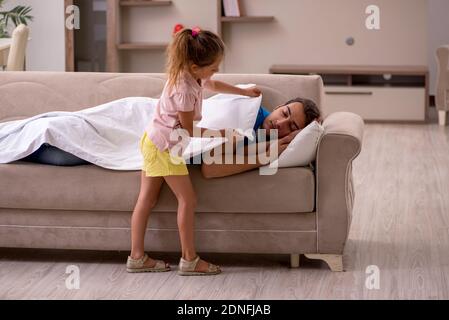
261, 116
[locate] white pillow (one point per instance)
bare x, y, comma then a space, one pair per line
229, 111
301, 151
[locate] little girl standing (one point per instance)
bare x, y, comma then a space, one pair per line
193, 57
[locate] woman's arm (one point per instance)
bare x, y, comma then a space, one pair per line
216, 170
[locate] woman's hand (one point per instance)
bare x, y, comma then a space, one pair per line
236, 136
282, 143
252, 92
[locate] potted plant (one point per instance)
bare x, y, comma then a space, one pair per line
18, 15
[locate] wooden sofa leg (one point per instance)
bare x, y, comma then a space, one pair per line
334, 261
294, 260
442, 116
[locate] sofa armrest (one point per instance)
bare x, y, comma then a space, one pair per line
339, 146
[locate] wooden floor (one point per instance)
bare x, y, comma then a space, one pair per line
400, 225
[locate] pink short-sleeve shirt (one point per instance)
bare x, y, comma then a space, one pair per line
186, 96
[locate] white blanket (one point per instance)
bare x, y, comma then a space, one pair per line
107, 135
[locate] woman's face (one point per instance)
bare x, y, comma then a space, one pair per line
286, 119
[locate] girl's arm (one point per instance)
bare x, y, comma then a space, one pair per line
186, 119
222, 87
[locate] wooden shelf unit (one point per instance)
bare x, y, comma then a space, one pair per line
115, 45
376, 93
241, 19
248, 19
142, 46
144, 3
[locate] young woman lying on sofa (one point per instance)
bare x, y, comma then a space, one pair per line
288, 119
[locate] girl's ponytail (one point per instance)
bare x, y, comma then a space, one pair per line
195, 46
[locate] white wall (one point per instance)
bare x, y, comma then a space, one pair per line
46, 49
304, 32
438, 34
314, 32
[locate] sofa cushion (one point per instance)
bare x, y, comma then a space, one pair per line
28, 185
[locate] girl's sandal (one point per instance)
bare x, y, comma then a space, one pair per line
138, 265
187, 268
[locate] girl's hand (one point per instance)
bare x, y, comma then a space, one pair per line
252, 92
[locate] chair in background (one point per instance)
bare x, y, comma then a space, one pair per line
16, 57
442, 90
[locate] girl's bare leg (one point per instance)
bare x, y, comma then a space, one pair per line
148, 195
183, 189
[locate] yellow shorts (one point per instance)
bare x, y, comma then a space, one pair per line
160, 164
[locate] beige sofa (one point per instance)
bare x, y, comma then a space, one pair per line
297, 211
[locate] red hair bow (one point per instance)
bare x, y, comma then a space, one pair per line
178, 28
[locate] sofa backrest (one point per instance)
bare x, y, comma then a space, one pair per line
26, 94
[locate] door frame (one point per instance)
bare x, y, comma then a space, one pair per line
69, 42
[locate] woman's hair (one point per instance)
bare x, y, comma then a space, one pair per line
311, 110
199, 47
